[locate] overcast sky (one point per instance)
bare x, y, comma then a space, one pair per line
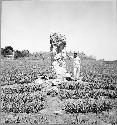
88, 26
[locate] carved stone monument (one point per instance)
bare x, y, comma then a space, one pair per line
58, 55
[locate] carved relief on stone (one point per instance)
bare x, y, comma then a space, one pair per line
58, 52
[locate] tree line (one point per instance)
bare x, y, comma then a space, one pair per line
9, 50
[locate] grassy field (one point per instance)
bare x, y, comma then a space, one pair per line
92, 101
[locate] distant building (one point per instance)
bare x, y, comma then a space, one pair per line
11, 56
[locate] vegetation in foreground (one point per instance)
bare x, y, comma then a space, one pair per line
90, 101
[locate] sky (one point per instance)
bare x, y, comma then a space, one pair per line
89, 26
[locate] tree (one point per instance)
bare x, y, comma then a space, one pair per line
2, 51
18, 54
8, 50
25, 53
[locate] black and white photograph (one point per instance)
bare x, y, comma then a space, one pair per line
59, 62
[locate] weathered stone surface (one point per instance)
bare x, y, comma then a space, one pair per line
58, 46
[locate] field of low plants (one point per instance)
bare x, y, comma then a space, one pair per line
92, 101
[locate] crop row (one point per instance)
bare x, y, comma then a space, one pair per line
66, 94
22, 71
26, 71
89, 105
99, 67
87, 85
96, 94
33, 103
101, 89
23, 103
22, 88
99, 71
99, 78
